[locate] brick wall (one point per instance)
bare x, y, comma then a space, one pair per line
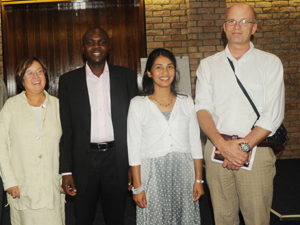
194, 28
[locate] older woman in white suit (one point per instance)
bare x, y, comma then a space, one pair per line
30, 132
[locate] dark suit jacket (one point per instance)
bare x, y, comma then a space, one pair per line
75, 114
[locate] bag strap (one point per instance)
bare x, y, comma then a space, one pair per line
244, 91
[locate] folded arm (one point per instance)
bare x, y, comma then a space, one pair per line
229, 149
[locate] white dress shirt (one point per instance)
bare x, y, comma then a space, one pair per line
151, 135
217, 90
99, 96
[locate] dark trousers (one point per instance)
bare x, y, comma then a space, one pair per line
4, 211
103, 184
3, 200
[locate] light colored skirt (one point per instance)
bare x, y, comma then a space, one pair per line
168, 182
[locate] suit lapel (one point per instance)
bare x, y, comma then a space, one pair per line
113, 90
83, 95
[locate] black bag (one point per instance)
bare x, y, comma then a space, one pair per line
280, 137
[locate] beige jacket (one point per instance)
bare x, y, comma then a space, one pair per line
29, 158
3, 93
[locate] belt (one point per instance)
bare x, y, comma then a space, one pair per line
263, 143
102, 147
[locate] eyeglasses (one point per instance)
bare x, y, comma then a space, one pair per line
242, 23
31, 74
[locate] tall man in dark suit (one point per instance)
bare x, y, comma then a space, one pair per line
94, 101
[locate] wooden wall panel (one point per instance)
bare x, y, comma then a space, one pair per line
53, 32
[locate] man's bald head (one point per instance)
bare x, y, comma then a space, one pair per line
240, 6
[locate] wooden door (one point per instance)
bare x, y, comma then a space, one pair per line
53, 32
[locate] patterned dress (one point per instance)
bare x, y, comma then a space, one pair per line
168, 182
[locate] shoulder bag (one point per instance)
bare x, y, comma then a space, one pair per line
280, 137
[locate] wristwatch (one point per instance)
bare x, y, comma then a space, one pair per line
245, 147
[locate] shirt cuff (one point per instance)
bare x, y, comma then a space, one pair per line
267, 126
202, 107
9, 184
67, 173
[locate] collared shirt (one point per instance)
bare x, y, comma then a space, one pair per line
217, 91
99, 95
151, 135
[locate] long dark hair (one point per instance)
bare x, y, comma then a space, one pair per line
148, 87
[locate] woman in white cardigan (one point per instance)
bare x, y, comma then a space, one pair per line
30, 132
164, 147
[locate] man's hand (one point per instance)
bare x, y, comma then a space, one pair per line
229, 165
140, 199
231, 150
129, 180
68, 185
14, 192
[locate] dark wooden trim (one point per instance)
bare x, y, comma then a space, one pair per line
18, 2
53, 32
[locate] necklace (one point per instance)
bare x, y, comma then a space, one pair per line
163, 104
